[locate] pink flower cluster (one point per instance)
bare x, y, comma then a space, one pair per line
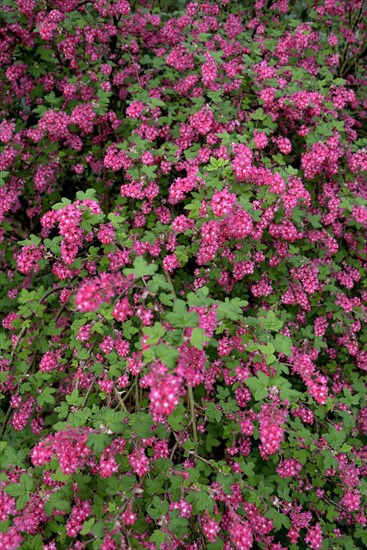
317, 384
29, 257
69, 219
164, 390
272, 418
102, 289
49, 361
69, 446
80, 512
289, 468
314, 537
241, 535
139, 462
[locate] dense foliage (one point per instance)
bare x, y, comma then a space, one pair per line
183, 208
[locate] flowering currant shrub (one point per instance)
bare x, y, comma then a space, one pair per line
183, 251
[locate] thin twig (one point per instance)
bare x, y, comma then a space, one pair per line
58, 314
137, 401
121, 403
128, 393
169, 281
6, 419
192, 412
89, 391
51, 291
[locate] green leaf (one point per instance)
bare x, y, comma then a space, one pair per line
332, 513
335, 438
125, 484
154, 486
248, 468
103, 102
258, 386
59, 476
89, 194
22, 501
194, 208
87, 525
198, 337
271, 322
283, 344
35, 543
168, 355
205, 36
231, 309
199, 298
141, 268
57, 501
26, 482
285, 387
158, 508
13, 490
158, 282
212, 412
53, 244
51, 98
149, 171
129, 330
58, 206
158, 537
21, 491
89, 219
280, 520
12, 456
154, 333
314, 220
115, 220
201, 500
268, 351
226, 481
178, 525
166, 299
46, 54
176, 418
141, 424
5, 342
73, 398
258, 115
302, 456
162, 465
215, 545
46, 396
33, 239
180, 317
98, 442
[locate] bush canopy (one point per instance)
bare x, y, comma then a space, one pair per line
183, 252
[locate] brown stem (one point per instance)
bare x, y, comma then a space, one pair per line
192, 413
120, 401
169, 281
89, 391
6, 420
13, 353
58, 314
347, 68
137, 400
